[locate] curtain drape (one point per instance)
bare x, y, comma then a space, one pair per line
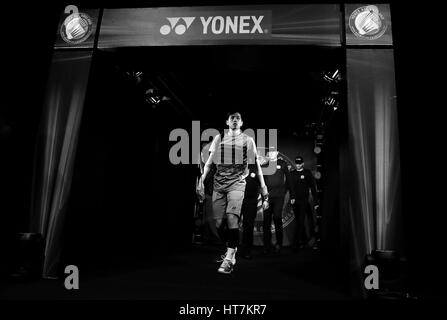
374, 203
55, 150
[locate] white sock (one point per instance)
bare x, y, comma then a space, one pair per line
230, 253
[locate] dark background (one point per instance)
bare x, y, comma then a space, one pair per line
127, 198
419, 72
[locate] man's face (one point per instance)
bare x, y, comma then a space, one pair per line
234, 121
272, 155
299, 166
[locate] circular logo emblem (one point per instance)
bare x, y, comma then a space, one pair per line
278, 167
367, 23
77, 27
252, 175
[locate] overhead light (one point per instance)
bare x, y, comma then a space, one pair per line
331, 100
319, 137
153, 97
135, 75
317, 173
319, 141
332, 76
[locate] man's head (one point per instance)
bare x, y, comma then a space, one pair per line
299, 162
234, 120
272, 155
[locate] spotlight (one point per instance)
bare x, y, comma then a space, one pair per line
331, 100
317, 173
319, 140
328, 101
319, 137
332, 77
28, 257
393, 270
153, 97
136, 76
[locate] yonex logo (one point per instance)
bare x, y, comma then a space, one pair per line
235, 24
178, 28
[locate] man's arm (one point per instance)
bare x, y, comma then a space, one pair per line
313, 188
209, 162
288, 179
289, 183
264, 191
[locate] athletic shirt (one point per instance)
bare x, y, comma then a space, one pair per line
232, 153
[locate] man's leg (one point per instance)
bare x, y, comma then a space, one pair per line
234, 206
311, 224
278, 203
245, 226
300, 214
233, 230
267, 229
249, 210
211, 235
219, 207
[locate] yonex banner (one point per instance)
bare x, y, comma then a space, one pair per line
223, 25
301, 24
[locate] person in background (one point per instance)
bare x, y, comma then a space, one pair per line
249, 211
277, 184
302, 182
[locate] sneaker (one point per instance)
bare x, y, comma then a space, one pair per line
226, 266
223, 256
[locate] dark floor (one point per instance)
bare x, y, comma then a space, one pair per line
191, 274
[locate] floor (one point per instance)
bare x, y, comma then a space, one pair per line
191, 274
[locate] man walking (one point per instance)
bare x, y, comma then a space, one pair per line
302, 182
231, 151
